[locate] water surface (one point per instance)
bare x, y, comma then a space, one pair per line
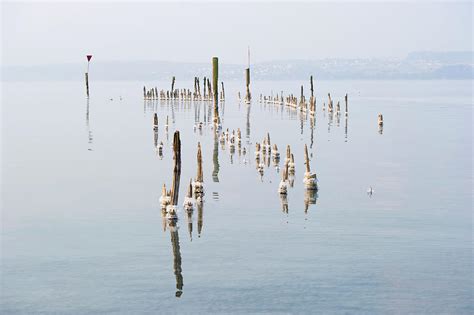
82, 230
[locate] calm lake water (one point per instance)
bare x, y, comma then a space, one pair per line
82, 230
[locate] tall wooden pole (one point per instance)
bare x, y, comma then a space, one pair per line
215, 87
87, 84
247, 84
177, 168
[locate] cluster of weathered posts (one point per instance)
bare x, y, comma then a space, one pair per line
265, 152
205, 94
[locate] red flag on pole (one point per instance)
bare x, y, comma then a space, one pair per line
89, 58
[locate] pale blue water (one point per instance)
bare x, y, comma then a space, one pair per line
82, 231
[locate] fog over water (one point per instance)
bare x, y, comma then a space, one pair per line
389, 230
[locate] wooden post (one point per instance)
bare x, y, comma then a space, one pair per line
223, 91
87, 84
199, 87
311, 82
177, 168
247, 83
209, 90
172, 84
345, 99
306, 158
288, 154
215, 87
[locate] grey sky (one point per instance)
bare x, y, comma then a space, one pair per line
41, 33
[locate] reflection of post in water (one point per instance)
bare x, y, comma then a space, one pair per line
345, 128
215, 158
190, 224
89, 132
200, 216
330, 118
166, 128
155, 131
176, 257
155, 139
284, 203
209, 109
380, 123
301, 121
247, 134
310, 198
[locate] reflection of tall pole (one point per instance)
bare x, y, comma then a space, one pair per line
345, 129
248, 124
301, 121
89, 132
87, 113
215, 158
176, 258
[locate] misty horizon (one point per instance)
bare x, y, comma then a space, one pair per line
56, 33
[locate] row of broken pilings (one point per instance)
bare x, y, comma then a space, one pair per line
292, 101
208, 93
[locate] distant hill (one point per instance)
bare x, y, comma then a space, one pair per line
417, 65
465, 57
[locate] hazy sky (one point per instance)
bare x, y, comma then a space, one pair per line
55, 32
